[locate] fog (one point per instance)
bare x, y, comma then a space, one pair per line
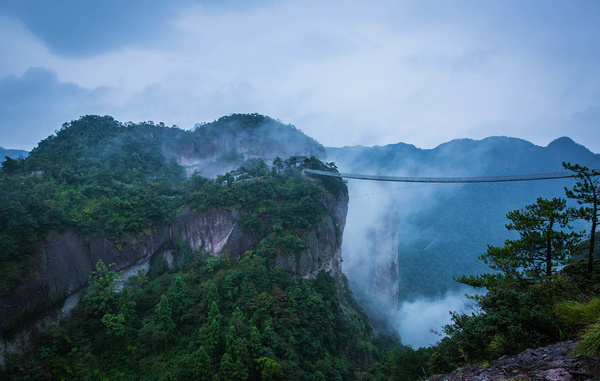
404, 243
421, 322
380, 223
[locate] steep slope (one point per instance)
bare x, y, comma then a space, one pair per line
101, 190
243, 277
225, 144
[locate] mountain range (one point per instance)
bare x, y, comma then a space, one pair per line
403, 241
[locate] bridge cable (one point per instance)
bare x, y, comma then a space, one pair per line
480, 179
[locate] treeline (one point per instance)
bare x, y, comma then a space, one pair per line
543, 289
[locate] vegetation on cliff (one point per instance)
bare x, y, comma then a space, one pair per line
200, 317
95, 176
100, 177
209, 318
542, 291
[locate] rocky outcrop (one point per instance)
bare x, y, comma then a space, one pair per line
213, 231
555, 362
385, 278
218, 230
324, 244
64, 263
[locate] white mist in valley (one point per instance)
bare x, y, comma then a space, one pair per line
405, 243
421, 322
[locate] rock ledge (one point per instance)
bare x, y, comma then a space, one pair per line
554, 362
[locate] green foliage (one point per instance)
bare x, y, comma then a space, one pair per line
587, 193
96, 177
243, 321
102, 297
405, 363
269, 369
589, 343
511, 319
542, 246
574, 316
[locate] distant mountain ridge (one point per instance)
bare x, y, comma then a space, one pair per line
407, 241
457, 155
12, 153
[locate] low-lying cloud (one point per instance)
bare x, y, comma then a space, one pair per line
421, 322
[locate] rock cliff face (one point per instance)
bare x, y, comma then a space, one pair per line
64, 263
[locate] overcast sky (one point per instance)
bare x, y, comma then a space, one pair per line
344, 72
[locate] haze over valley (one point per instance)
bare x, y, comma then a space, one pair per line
180, 190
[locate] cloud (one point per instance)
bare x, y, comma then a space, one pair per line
34, 105
375, 73
76, 28
421, 321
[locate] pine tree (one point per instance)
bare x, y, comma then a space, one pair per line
543, 244
587, 193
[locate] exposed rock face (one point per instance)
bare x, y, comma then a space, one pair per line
213, 231
555, 362
324, 242
218, 230
65, 262
385, 274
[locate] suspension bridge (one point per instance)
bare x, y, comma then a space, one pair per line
479, 179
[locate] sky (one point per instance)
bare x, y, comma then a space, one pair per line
345, 73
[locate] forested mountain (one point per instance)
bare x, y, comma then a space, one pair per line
234, 262
225, 144
240, 276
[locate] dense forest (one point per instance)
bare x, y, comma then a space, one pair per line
221, 318
205, 318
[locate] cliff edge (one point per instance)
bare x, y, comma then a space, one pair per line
63, 263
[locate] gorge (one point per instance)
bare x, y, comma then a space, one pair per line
119, 193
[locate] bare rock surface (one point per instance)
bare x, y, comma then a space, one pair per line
554, 362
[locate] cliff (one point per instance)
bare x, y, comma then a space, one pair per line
63, 263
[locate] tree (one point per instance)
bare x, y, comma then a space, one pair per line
587, 193
269, 369
165, 320
202, 367
103, 294
543, 244
178, 298
11, 166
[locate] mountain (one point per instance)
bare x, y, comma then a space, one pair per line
220, 146
12, 153
114, 265
406, 241
196, 204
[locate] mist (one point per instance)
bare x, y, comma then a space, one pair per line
421, 322
404, 243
